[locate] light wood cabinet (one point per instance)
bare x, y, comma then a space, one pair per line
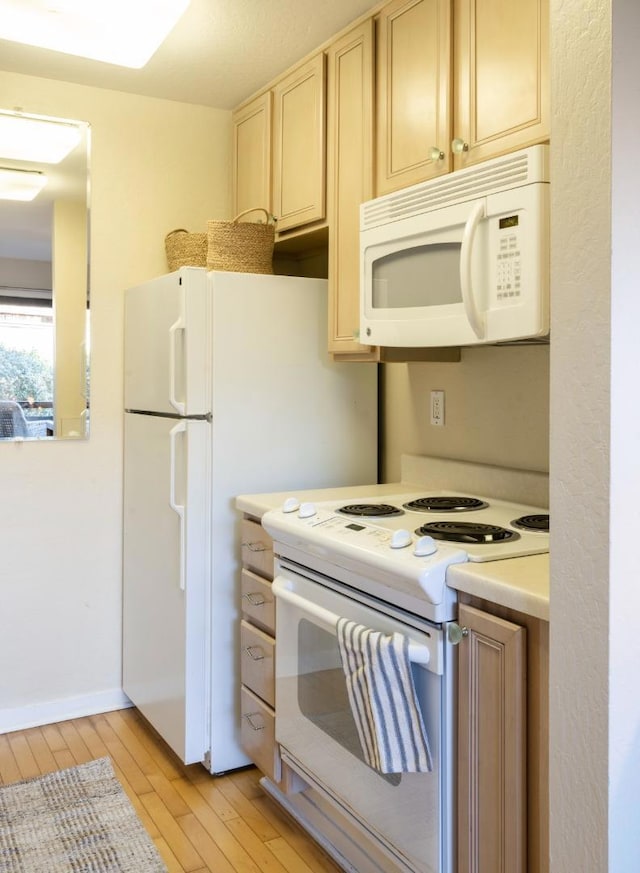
350, 75
501, 62
257, 650
413, 92
491, 745
495, 100
279, 148
299, 145
350, 142
399, 88
503, 739
252, 155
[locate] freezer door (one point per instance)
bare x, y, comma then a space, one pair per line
166, 365
167, 578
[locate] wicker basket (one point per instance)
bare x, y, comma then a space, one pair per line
185, 249
241, 247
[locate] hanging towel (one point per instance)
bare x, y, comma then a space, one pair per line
383, 699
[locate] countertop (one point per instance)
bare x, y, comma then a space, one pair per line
521, 584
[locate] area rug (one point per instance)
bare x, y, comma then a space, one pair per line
73, 821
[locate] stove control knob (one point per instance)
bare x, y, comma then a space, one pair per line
291, 504
425, 546
400, 539
307, 510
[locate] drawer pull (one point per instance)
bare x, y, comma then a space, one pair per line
256, 546
251, 715
250, 651
254, 598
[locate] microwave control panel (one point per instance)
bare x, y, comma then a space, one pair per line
509, 263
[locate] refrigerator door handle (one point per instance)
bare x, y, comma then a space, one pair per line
173, 330
178, 508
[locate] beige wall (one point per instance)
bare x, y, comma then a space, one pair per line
595, 434
155, 165
580, 398
496, 409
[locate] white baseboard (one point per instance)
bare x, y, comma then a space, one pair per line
52, 711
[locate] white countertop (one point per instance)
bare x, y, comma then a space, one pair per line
521, 584
258, 504
517, 583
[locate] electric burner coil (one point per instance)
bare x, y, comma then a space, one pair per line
370, 510
472, 533
537, 523
445, 503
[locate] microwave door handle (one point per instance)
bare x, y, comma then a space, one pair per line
418, 654
475, 318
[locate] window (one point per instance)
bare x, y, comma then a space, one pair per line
27, 354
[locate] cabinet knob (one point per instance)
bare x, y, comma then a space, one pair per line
459, 145
455, 633
436, 154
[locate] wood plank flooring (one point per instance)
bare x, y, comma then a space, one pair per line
200, 823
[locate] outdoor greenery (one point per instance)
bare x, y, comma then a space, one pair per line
24, 375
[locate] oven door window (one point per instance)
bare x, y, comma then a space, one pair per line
426, 275
322, 693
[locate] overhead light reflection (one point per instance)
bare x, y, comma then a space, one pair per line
24, 138
20, 184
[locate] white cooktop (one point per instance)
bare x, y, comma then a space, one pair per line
391, 551
316, 517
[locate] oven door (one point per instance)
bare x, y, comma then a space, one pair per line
408, 813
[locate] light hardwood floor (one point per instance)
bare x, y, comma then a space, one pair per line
200, 823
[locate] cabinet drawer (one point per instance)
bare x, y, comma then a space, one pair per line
258, 734
257, 666
257, 548
258, 603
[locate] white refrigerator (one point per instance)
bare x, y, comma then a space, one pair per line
228, 390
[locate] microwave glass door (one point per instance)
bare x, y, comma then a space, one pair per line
419, 276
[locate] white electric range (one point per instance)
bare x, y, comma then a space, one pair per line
380, 562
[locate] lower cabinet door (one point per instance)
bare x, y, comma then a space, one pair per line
491, 744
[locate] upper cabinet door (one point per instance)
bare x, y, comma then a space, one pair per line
501, 64
299, 145
413, 92
349, 177
252, 155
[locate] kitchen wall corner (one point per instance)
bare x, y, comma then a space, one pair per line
496, 409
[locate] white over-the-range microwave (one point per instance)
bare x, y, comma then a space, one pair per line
459, 260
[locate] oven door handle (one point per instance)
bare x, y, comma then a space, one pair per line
418, 654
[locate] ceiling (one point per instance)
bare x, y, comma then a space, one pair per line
220, 52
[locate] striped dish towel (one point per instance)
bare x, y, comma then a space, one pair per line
383, 699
